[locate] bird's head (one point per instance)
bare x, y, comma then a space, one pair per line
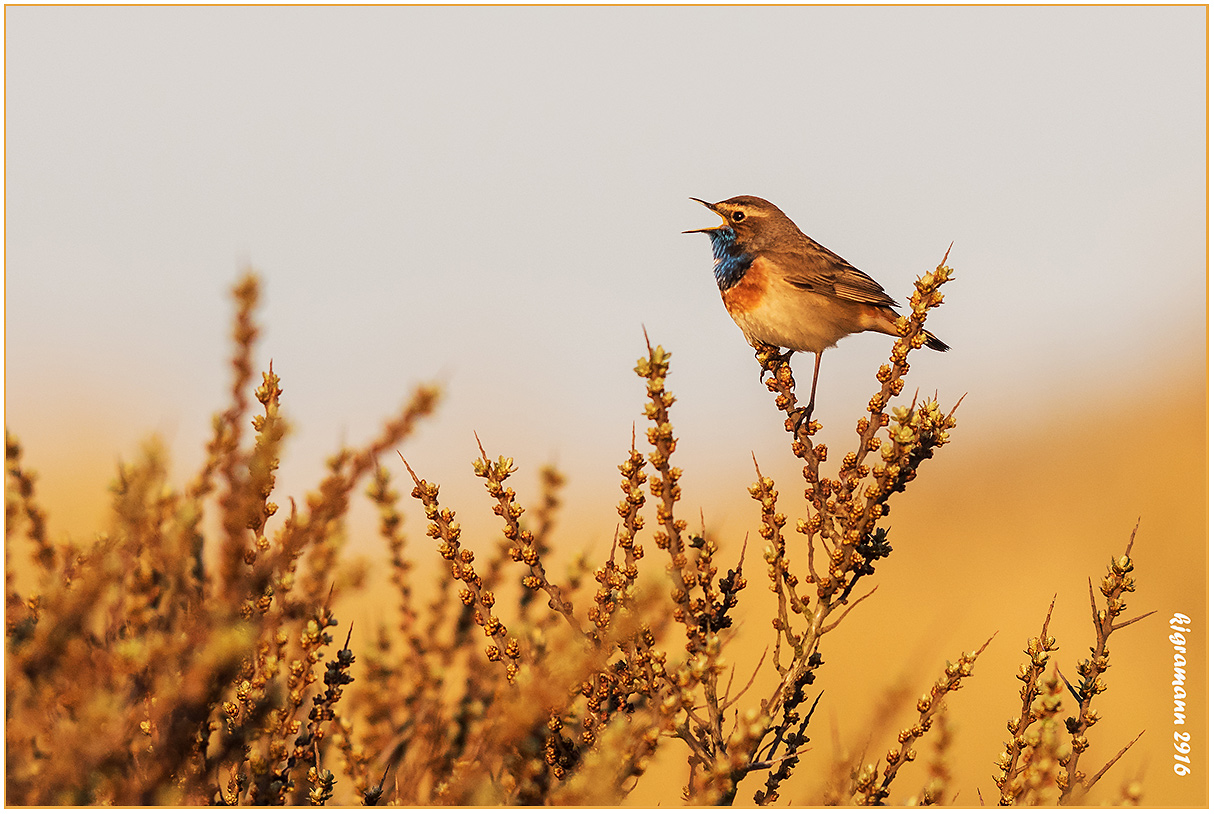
750, 223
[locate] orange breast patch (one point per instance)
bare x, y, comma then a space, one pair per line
747, 294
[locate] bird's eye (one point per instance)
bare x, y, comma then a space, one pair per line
738, 216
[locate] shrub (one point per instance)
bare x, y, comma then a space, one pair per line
164, 664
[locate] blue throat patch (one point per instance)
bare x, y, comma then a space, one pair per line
731, 260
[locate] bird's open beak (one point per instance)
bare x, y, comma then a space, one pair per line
707, 228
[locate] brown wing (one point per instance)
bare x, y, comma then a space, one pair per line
813, 267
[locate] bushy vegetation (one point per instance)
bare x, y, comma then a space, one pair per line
167, 664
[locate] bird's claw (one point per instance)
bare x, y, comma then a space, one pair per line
774, 361
803, 415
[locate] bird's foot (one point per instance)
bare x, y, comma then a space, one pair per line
770, 359
779, 360
803, 414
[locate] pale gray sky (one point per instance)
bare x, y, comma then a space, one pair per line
495, 196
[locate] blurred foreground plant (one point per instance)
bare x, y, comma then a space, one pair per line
165, 664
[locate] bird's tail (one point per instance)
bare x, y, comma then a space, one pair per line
934, 343
885, 321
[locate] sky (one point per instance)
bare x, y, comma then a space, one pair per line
493, 198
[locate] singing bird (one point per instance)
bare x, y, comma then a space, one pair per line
788, 291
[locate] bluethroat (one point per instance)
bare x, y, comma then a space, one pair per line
785, 290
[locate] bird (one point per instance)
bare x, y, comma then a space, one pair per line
788, 291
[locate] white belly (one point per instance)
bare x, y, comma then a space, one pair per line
788, 317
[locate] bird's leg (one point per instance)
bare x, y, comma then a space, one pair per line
813, 388
808, 410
